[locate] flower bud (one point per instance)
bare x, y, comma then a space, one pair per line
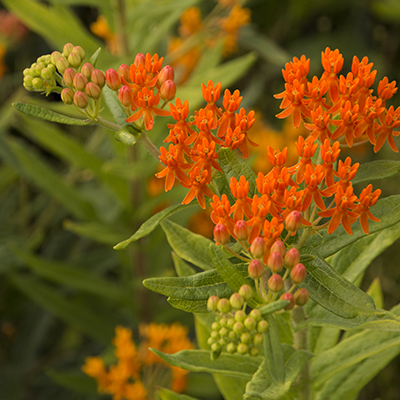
125, 96
275, 283
28, 82
168, 90
298, 273
215, 346
223, 332
258, 247
245, 338
256, 314
246, 292
39, 67
256, 269
222, 342
67, 96
80, 81
249, 323
221, 234
242, 348
69, 75
231, 348
123, 72
74, 60
230, 322
258, 339
87, 70
98, 78
26, 71
223, 321
81, 53
81, 100
51, 68
301, 297
240, 316
254, 352
113, 79
238, 328
293, 221
37, 83
275, 262
262, 326
236, 301
290, 297
93, 91
62, 64
241, 230
278, 246
214, 335
167, 73
292, 257
139, 59
55, 55
232, 335
224, 306
67, 49
215, 326
212, 303
46, 74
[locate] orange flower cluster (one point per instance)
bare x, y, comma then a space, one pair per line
142, 86
338, 107
193, 152
124, 379
281, 202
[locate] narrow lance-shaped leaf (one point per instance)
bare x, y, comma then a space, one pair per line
375, 170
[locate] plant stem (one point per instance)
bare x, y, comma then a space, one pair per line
146, 142
108, 124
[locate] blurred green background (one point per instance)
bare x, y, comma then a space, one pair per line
68, 194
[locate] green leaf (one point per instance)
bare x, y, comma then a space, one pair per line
233, 166
147, 227
190, 306
48, 115
182, 268
375, 170
273, 353
231, 388
78, 382
114, 105
387, 210
333, 292
69, 310
166, 394
95, 56
200, 360
230, 272
188, 245
351, 351
273, 307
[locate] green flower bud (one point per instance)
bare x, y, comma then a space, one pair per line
258, 339
240, 316
242, 348
256, 314
39, 67
74, 60
223, 322
62, 64
236, 301
245, 338
210, 341
222, 342
81, 100
28, 81
215, 346
238, 328
46, 74
67, 96
26, 71
223, 332
212, 303
254, 351
55, 55
67, 49
81, 53
224, 306
231, 347
230, 323
262, 326
51, 68
249, 323
93, 91
215, 326
232, 335
214, 335
246, 292
37, 83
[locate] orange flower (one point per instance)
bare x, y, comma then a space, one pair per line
296, 69
313, 178
276, 157
321, 124
329, 155
179, 113
367, 200
390, 121
205, 156
221, 211
362, 71
386, 90
240, 190
332, 62
198, 187
211, 95
347, 123
231, 103
306, 150
346, 172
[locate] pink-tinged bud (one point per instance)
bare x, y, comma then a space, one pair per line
275, 283
224, 306
67, 96
125, 96
93, 90
298, 273
241, 230
221, 234
87, 70
55, 55
78, 50
80, 81
69, 75
168, 90
256, 269
139, 59
113, 79
74, 60
290, 297
81, 100
246, 292
275, 261
212, 303
279, 246
292, 257
98, 78
258, 247
123, 72
62, 64
301, 297
167, 73
293, 221
67, 49
236, 301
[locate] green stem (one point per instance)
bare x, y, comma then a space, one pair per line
108, 124
151, 148
306, 233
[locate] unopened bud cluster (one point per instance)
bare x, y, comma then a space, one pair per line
233, 330
41, 76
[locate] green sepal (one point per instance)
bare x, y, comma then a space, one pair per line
94, 57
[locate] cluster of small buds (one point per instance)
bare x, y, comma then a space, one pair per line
233, 330
141, 87
41, 76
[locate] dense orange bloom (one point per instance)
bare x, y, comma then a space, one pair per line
372, 111
346, 172
367, 200
205, 156
313, 178
211, 95
329, 155
306, 150
386, 90
296, 69
389, 122
362, 71
221, 210
231, 103
332, 62
276, 157
198, 187
240, 190
321, 124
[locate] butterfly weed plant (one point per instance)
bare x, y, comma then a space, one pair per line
275, 296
